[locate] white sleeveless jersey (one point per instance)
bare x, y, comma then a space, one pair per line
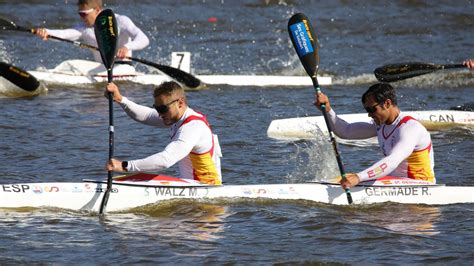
406, 145
130, 36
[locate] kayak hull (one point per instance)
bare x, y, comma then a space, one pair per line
87, 195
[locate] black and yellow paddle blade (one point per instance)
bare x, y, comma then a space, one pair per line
305, 42
401, 71
106, 33
19, 77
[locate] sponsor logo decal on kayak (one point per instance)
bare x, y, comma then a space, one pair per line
261, 191
38, 189
102, 190
302, 38
22, 188
397, 191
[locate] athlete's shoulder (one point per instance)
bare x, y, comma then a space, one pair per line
123, 20
411, 124
190, 115
406, 118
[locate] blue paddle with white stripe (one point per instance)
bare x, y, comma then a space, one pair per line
305, 43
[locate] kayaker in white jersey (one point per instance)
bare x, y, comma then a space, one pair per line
131, 37
405, 142
193, 145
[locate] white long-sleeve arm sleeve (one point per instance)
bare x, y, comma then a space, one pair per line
68, 34
345, 130
175, 151
140, 113
138, 39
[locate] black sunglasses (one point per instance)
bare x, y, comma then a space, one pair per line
371, 109
161, 109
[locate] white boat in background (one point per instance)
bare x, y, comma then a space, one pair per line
82, 72
79, 72
143, 189
307, 127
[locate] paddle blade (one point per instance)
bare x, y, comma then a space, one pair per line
10, 25
19, 77
304, 40
106, 33
401, 71
464, 107
7, 25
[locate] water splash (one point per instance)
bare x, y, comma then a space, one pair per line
315, 160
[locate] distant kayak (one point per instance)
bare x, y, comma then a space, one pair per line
307, 127
83, 72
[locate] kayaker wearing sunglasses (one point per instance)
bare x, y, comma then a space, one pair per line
405, 142
130, 36
193, 145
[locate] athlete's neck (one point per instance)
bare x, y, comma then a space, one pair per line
393, 115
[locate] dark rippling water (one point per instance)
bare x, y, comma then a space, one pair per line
62, 136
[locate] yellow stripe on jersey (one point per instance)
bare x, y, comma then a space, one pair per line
419, 165
204, 169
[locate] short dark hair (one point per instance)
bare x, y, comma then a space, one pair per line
90, 3
168, 88
381, 92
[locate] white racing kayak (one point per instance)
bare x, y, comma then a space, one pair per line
143, 189
307, 127
80, 72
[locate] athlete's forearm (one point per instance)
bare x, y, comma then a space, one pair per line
140, 113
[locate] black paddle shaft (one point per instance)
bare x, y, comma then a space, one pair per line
304, 41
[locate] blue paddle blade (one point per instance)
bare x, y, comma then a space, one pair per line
305, 42
106, 33
19, 77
